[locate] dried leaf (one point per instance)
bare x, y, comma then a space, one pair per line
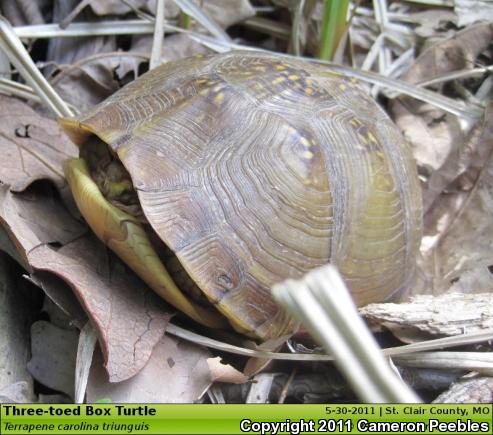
53, 356
19, 392
115, 7
118, 7
61, 295
36, 217
229, 12
224, 372
33, 147
96, 77
431, 132
129, 317
432, 24
470, 11
459, 229
66, 51
174, 47
177, 372
14, 329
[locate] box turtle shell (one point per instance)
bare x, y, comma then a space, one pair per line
251, 168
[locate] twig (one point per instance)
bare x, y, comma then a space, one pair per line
76, 11
321, 301
19, 57
157, 42
285, 388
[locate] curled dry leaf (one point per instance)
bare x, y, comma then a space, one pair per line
177, 372
34, 218
177, 46
459, 229
66, 51
61, 295
471, 11
19, 392
432, 133
434, 24
96, 77
447, 314
53, 356
14, 329
33, 147
118, 7
129, 317
229, 12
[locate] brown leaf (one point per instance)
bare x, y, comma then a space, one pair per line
177, 372
224, 372
129, 317
35, 217
455, 53
228, 12
175, 46
33, 147
95, 77
459, 230
53, 356
432, 133
60, 294
117, 7
14, 328
18, 392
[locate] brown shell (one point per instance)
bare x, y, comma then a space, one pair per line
254, 168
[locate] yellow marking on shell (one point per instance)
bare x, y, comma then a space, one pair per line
219, 98
280, 67
217, 88
380, 155
355, 122
202, 81
308, 91
383, 182
372, 137
211, 82
291, 130
204, 91
304, 141
309, 82
278, 80
363, 138
342, 87
294, 77
308, 155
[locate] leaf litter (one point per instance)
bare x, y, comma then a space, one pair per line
61, 255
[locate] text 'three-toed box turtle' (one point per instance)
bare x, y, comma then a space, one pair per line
251, 168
